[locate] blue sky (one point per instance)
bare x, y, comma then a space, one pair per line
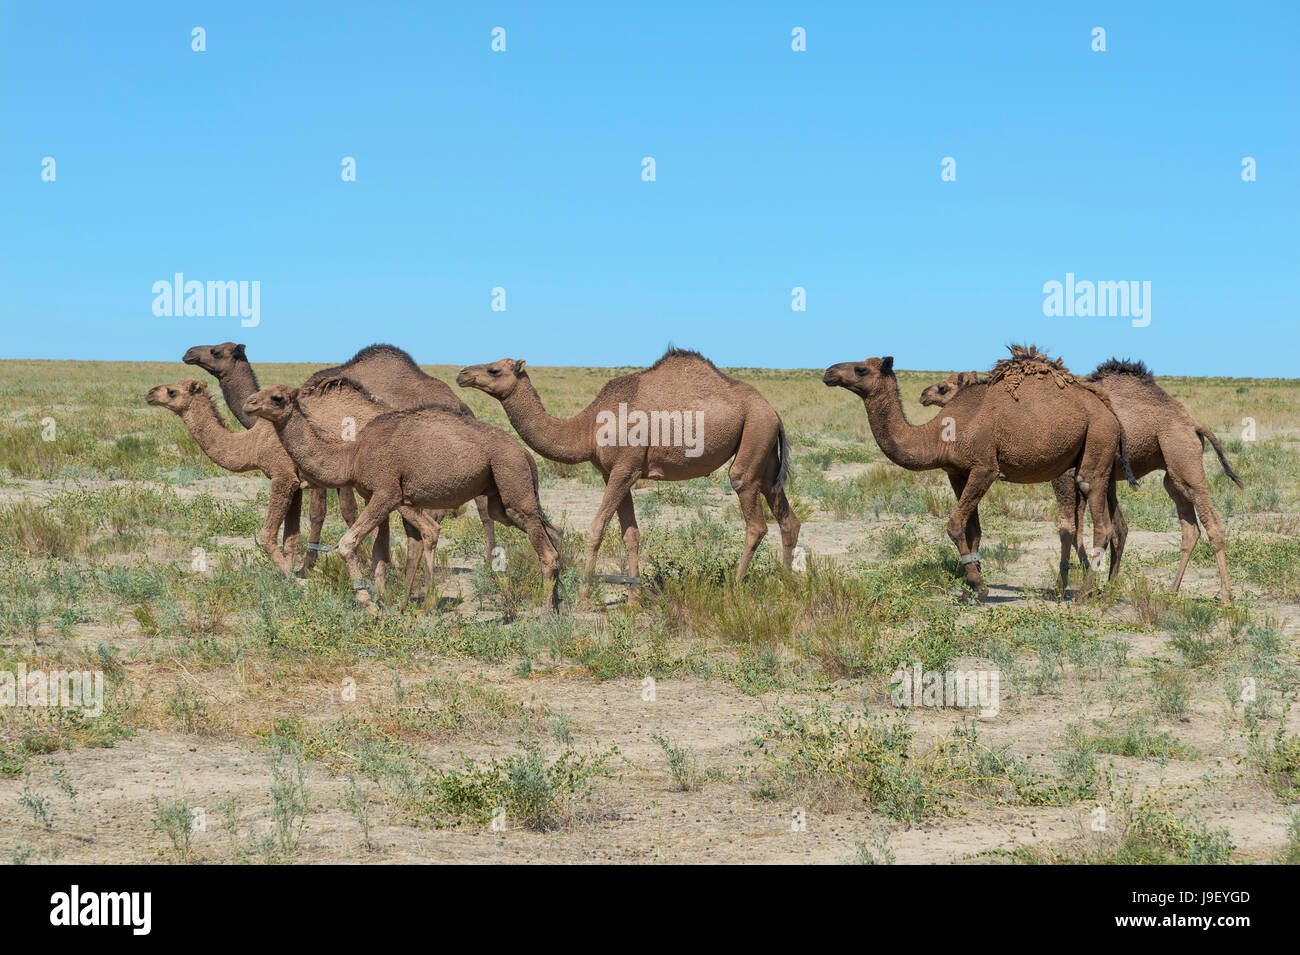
775, 169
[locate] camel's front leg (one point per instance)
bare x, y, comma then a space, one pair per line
293, 526
269, 536
489, 529
381, 504
978, 482
316, 521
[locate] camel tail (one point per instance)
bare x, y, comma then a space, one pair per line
1123, 456
783, 470
1208, 435
553, 532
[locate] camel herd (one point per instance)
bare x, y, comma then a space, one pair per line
382, 427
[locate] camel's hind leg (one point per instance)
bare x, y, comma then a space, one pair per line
1118, 526
380, 505
978, 482
1093, 478
618, 485
519, 498
1069, 522
1183, 465
429, 524
293, 526
631, 545
489, 529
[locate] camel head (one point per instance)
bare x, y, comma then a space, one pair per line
497, 379
176, 396
215, 359
943, 392
860, 377
275, 403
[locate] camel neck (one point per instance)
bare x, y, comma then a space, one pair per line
236, 385
907, 445
224, 447
320, 457
567, 440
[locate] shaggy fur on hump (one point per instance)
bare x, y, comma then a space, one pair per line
368, 352
1118, 366
675, 353
342, 382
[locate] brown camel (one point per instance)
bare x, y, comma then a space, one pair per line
1006, 437
385, 371
426, 458
1161, 434
228, 363
679, 419
257, 449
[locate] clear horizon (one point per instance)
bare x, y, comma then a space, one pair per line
824, 169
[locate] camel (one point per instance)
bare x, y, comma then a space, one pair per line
386, 371
228, 363
679, 419
413, 460
257, 449
1037, 425
1161, 434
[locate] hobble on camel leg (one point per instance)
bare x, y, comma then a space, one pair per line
489, 529
631, 546
375, 514
978, 481
316, 521
618, 486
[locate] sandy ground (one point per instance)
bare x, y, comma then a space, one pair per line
638, 818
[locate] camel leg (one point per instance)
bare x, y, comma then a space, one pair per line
1093, 477
380, 505
489, 529
978, 482
269, 536
523, 508
429, 524
751, 505
347, 506
617, 486
316, 518
1118, 527
631, 544
1069, 521
293, 526
958, 482
787, 522
1187, 518
1218, 539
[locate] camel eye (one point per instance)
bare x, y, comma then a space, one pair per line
171, 392
860, 371
214, 352
277, 400
493, 372
943, 389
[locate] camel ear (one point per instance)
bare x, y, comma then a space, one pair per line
293, 395
966, 378
238, 352
197, 386
519, 365
887, 363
